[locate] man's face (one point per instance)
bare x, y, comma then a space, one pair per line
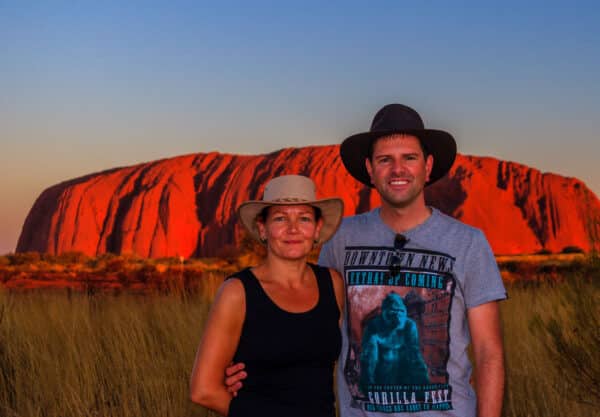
399, 170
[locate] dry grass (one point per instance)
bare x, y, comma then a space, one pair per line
540, 383
73, 354
102, 355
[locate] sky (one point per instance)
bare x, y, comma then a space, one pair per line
87, 86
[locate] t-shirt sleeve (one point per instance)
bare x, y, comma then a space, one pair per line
483, 282
332, 251
326, 257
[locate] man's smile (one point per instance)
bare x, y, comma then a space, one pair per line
398, 181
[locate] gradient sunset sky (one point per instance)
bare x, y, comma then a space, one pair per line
87, 86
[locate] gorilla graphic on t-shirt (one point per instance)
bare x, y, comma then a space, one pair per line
390, 348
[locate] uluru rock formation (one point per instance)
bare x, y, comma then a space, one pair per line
185, 206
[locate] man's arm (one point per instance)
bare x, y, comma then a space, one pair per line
486, 337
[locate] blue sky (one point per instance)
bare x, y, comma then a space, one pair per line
92, 85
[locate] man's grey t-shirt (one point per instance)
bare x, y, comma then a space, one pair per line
405, 332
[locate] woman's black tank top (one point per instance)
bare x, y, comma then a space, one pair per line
289, 357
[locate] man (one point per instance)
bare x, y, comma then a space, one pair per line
443, 269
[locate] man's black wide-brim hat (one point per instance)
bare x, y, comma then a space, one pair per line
398, 118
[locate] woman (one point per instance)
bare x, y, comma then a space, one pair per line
280, 318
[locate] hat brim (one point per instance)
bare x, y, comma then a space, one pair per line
332, 211
441, 145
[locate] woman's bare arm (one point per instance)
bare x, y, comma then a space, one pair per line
217, 347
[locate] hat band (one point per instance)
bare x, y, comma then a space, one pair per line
288, 200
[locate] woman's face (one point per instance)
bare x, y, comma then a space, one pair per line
290, 231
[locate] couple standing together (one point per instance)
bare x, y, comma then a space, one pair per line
399, 294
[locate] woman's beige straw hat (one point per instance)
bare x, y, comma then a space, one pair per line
293, 190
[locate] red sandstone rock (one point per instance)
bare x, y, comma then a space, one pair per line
185, 206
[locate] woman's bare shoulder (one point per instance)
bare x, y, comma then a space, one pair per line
231, 290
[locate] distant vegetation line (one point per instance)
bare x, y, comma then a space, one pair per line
128, 273
108, 272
